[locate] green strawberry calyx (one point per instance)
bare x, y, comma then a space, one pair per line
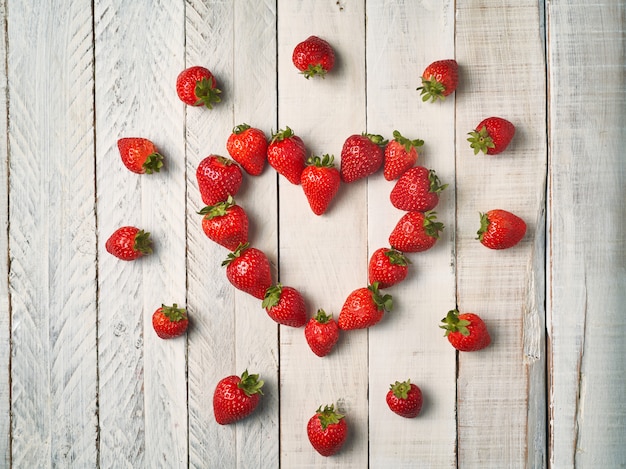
324, 161
431, 89
435, 184
282, 134
153, 163
328, 416
484, 226
142, 242
314, 70
480, 140
241, 128
207, 93
174, 313
384, 302
272, 296
321, 316
407, 143
452, 323
236, 253
376, 139
218, 210
432, 227
397, 258
401, 389
250, 384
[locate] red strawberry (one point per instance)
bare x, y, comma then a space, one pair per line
236, 397
387, 267
361, 156
415, 232
197, 86
491, 136
170, 321
405, 399
320, 182
287, 155
417, 190
327, 430
400, 155
321, 333
248, 270
313, 57
128, 243
140, 155
248, 147
439, 80
500, 229
363, 308
226, 223
218, 178
466, 332
285, 305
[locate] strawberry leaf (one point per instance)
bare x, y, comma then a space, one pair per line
321, 316
401, 389
250, 384
328, 416
142, 242
384, 302
206, 92
452, 323
174, 313
480, 140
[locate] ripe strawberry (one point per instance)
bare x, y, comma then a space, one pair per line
405, 399
439, 80
321, 333
236, 397
500, 229
361, 156
387, 267
466, 332
140, 155
313, 57
415, 232
363, 308
417, 190
400, 155
327, 430
218, 178
226, 223
129, 243
285, 305
491, 136
196, 86
170, 321
248, 270
320, 182
287, 155
248, 147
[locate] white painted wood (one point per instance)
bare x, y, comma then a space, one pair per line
409, 344
52, 231
324, 257
143, 375
586, 277
496, 400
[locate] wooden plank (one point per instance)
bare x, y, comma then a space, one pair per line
409, 344
500, 390
143, 410
324, 257
586, 289
52, 235
232, 333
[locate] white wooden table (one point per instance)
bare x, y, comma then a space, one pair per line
85, 382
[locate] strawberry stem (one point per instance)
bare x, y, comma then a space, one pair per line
236, 253
272, 296
452, 323
238, 129
218, 210
142, 242
328, 416
207, 93
153, 163
250, 384
397, 258
174, 313
431, 89
432, 227
321, 316
484, 225
407, 143
401, 389
384, 302
480, 140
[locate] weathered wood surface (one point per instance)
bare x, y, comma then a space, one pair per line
85, 382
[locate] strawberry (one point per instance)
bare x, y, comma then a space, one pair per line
363, 308
491, 136
285, 305
400, 155
321, 333
248, 147
361, 156
287, 155
439, 80
466, 332
327, 430
387, 267
129, 243
226, 223
320, 181
170, 321
218, 178
196, 86
313, 57
500, 229
236, 397
140, 155
405, 399
415, 232
417, 190
248, 270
